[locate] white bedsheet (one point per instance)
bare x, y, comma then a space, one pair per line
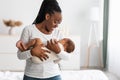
84, 75
66, 75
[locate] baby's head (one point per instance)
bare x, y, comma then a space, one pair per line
68, 44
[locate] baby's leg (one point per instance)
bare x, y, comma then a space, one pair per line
31, 43
20, 45
38, 42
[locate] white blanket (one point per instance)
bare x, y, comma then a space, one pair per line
84, 75
66, 75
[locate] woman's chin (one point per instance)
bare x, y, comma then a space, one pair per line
51, 30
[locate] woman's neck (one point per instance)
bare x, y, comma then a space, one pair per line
42, 28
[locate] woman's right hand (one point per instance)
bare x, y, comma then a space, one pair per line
39, 52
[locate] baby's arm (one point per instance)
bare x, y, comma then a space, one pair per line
34, 43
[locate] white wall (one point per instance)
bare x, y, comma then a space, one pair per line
75, 17
113, 38
23, 10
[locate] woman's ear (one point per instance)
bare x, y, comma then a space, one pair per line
47, 16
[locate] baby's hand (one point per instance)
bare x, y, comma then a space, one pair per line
20, 45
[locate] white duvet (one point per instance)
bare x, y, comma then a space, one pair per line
66, 75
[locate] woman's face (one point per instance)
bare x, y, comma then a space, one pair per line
53, 20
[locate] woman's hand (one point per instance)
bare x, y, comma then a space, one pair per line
39, 52
53, 46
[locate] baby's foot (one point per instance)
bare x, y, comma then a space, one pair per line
20, 45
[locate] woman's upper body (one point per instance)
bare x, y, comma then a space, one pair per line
43, 70
46, 25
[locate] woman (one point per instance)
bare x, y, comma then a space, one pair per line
44, 26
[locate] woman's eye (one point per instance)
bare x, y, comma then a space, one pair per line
55, 22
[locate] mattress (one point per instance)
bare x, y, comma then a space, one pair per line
66, 75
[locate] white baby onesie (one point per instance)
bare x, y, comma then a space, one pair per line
52, 56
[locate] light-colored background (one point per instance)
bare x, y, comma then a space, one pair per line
113, 38
76, 19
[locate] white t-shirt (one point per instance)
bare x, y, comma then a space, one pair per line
46, 69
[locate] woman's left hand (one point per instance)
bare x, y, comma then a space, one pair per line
53, 46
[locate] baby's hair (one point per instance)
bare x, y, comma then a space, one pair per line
70, 46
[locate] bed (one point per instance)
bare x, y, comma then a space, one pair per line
66, 75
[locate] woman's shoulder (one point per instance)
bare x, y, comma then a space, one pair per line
28, 27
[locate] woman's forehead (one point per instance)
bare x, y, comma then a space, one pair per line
57, 15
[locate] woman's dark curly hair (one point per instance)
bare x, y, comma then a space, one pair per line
47, 6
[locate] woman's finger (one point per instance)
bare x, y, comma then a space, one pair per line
48, 44
51, 41
47, 51
55, 41
41, 59
44, 58
43, 54
46, 55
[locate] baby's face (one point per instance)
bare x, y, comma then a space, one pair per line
68, 45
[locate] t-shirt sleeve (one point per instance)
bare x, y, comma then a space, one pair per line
25, 38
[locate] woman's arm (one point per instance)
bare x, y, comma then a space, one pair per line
32, 52
24, 38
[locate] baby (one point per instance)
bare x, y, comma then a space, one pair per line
65, 44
